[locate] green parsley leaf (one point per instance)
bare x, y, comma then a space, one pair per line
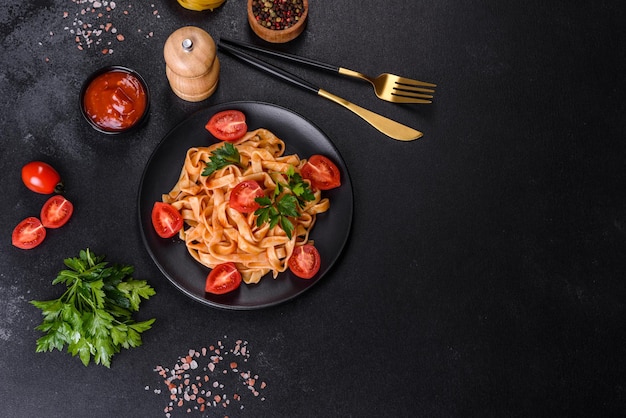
134, 290
284, 202
286, 225
221, 157
299, 187
286, 205
93, 318
263, 201
277, 212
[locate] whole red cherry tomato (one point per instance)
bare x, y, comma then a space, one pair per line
41, 178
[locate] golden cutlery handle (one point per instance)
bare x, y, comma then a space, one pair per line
353, 74
389, 127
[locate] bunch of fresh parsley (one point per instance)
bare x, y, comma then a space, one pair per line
94, 315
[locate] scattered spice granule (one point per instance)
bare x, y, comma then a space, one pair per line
215, 366
103, 15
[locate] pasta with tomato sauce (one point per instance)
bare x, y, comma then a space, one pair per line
216, 233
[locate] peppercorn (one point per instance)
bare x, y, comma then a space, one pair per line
277, 14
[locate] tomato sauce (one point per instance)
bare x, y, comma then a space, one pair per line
115, 100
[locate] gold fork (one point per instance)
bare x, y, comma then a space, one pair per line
389, 87
396, 89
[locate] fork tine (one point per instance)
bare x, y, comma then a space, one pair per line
412, 88
407, 99
411, 82
410, 93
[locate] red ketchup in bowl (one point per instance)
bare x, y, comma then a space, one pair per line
115, 100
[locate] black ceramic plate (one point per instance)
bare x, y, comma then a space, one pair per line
301, 137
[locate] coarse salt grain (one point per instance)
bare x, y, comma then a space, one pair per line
91, 13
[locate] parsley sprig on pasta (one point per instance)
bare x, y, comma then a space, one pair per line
222, 157
287, 197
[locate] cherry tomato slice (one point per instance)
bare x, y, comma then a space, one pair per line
56, 212
227, 125
305, 261
41, 178
28, 234
243, 195
166, 219
321, 172
222, 279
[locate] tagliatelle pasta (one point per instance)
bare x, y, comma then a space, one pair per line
215, 233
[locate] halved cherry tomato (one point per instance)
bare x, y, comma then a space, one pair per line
222, 279
166, 219
305, 261
322, 173
28, 234
243, 195
56, 212
227, 125
41, 178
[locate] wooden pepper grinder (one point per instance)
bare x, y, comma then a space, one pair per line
191, 63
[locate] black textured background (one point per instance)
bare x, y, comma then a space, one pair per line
485, 272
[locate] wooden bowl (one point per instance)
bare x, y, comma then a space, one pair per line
278, 35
